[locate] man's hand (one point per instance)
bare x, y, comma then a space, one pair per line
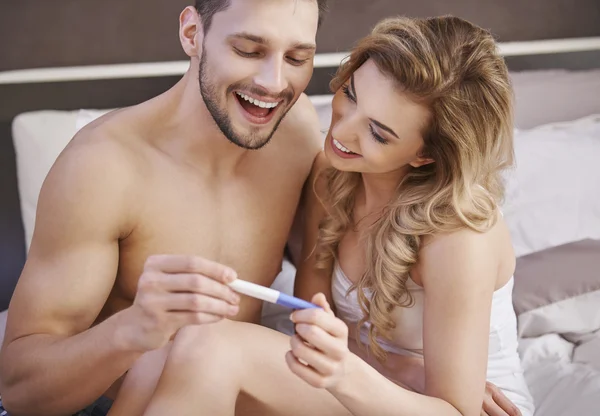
495, 403
175, 291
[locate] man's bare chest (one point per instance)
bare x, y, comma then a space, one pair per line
245, 228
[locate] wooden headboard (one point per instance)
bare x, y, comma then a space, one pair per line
66, 55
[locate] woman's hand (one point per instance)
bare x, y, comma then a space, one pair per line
319, 353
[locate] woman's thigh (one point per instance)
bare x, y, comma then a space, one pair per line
237, 366
269, 386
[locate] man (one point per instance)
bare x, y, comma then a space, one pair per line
141, 198
152, 209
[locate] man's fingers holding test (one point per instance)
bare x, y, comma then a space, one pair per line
173, 263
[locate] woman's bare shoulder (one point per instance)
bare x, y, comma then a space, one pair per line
467, 249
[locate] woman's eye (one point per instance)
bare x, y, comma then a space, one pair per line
347, 93
376, 136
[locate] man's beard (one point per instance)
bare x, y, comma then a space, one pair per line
251, 141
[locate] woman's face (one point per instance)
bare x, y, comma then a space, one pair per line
375, 127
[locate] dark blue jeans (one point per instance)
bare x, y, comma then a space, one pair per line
99, 408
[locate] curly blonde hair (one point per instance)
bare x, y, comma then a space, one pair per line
454, 68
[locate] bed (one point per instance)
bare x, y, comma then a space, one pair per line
553, 199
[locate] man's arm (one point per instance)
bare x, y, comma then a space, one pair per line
310, 280
304, 129
51, 363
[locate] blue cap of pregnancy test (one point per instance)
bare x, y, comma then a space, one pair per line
294, 302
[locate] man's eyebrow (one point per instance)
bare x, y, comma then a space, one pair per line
304, 46
262, 41
250, 37
377, 123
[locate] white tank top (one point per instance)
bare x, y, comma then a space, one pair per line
504, 365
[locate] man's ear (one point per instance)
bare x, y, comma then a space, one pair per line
190, 31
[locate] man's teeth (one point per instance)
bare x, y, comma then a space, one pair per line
342, 148
257, 103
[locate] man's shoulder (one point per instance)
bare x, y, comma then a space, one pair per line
107, 139
302, 127
303, 107
98, 153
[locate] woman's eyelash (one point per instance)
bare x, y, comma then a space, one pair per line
347, 93
376, 136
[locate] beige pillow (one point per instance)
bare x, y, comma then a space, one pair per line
548, 96
558, 290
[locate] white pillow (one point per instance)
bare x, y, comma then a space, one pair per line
86, 116
38, 137
553, 194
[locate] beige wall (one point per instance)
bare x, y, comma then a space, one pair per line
42, 33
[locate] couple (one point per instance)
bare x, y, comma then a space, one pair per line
152, 210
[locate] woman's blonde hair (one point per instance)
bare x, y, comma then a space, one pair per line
454, 68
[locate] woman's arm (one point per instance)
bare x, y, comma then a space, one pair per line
365, 392
310, 280
320, 357
458, 272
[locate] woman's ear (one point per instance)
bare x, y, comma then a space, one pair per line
190, 31
421, 161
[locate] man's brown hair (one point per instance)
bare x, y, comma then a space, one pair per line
208, 8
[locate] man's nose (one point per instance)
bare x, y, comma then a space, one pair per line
272, 77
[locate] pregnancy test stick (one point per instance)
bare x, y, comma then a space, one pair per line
270, 295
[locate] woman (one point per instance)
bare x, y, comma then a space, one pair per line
404, 238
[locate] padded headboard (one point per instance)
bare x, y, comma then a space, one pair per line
66, 33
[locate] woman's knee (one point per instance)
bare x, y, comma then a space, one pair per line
204, 345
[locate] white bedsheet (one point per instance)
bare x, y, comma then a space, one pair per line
559, 385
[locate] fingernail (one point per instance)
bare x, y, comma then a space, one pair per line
233, 310
292, 317
231, 276
235, 298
